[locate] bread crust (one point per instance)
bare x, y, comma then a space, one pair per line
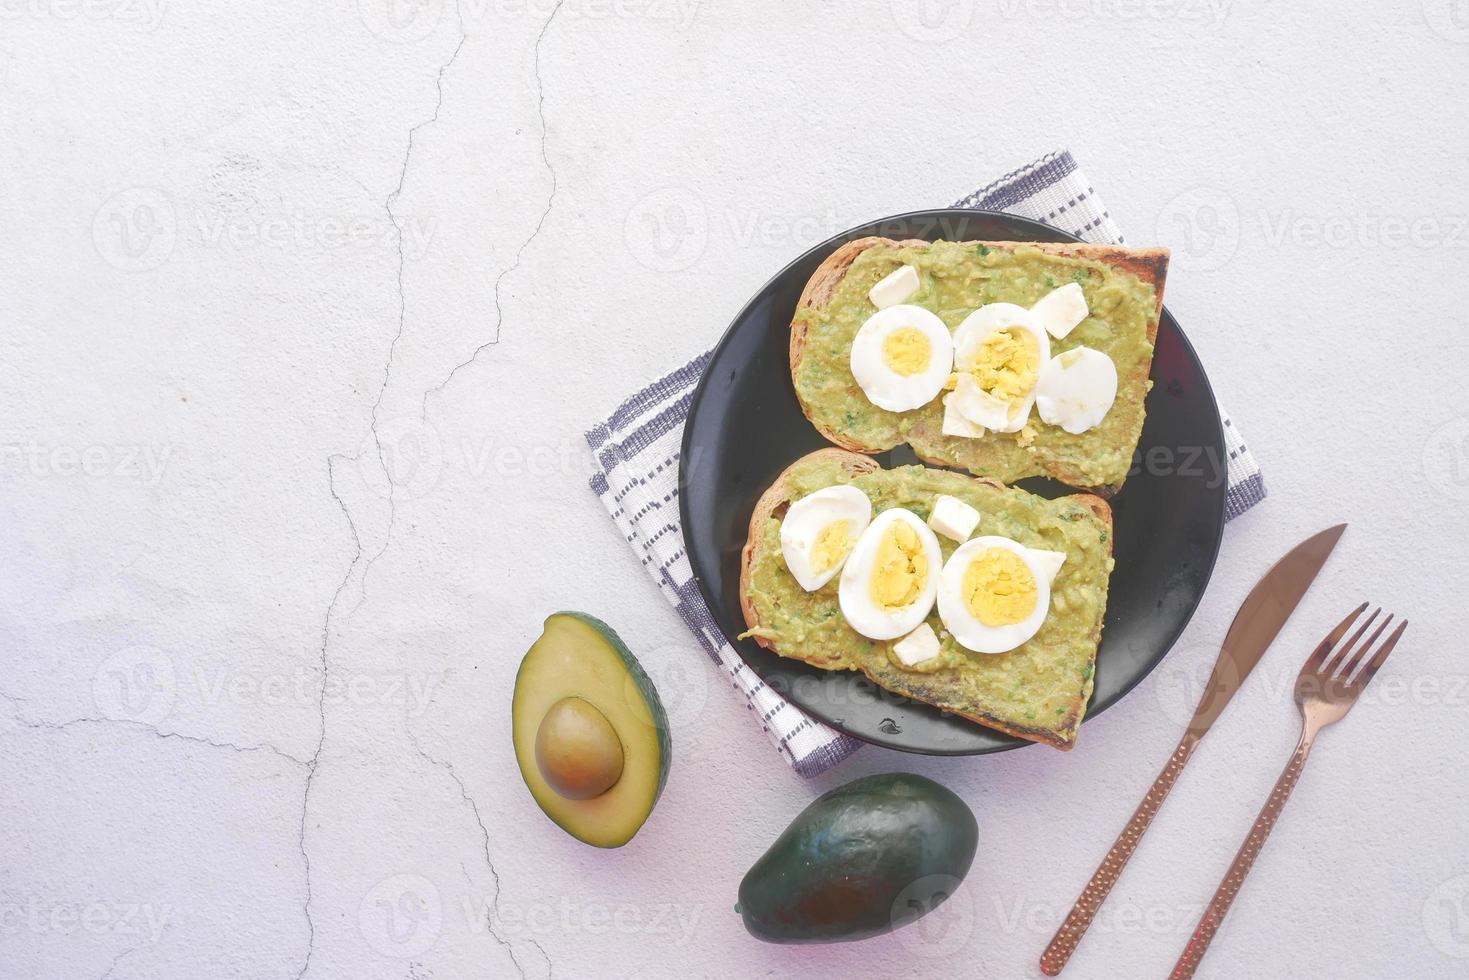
1148, 264
778, 495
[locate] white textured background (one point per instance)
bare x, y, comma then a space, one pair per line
257, 256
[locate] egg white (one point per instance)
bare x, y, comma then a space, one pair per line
984, 411
964, 626
885, 387
853, 592
1076, 389
973, 402
804, 521
956, 423
1050, 562
1060, 310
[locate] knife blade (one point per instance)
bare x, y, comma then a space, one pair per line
1259, 621
1255, 627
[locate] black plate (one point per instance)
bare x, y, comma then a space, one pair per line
744, 427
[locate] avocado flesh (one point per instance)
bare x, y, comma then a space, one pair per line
578, 656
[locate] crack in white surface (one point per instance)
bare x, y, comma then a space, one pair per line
535, 232
112, 967
494, 906
388, 203
388, 206
139, 726
311, 764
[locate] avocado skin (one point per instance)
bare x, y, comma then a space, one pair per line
838, 871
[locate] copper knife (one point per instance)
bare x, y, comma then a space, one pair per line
1255, 626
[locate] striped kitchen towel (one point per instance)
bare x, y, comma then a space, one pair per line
637, 449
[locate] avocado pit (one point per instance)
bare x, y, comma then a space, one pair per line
577, 750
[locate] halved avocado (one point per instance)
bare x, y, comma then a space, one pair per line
590, 734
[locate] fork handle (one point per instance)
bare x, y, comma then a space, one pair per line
1064, 943
1244, 859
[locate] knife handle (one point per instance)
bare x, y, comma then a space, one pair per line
1064, 943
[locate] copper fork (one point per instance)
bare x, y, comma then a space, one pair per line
1327, 687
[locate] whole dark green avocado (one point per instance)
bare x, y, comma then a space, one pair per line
860, 861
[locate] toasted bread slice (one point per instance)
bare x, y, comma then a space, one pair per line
1069, 459
1038, 691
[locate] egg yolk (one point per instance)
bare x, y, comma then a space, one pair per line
831, 546
906, 351
1006, 364
899, 569
998, 588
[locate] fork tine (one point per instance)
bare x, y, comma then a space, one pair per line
1370, 670
1366, 645
1341, 652
1318, 656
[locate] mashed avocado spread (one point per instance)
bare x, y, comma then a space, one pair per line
1042, 684
957, 279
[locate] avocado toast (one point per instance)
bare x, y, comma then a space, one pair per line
1123, 290
1037, 691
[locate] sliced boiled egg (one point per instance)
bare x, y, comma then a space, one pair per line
917, 647
1076, 389
895, 287
953, 518
1059, 311
819, 532
993, 594
1050, 562
901, 357
955, 422
998, 352
889, 582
